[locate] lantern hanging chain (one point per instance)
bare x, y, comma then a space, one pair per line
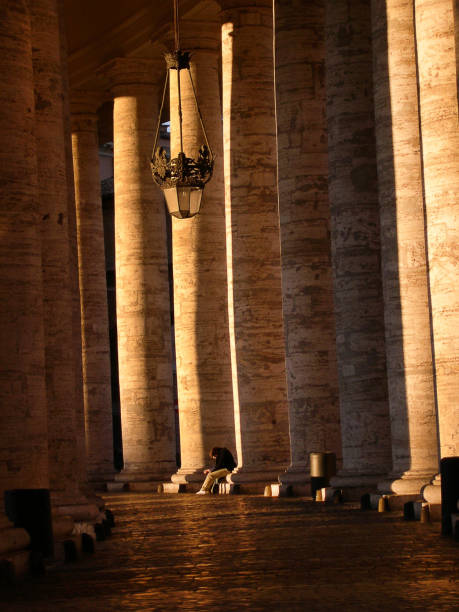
177, 50
176, 26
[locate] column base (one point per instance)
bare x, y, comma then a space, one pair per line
355, 485
253, 481
298, 479
406, 483
77, 506
129, 475
99, 480
186, 475
432, 492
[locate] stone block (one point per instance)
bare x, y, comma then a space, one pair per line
115, 486
142, 487
455, 525
421, 507
174, 487
280, 490
14, 566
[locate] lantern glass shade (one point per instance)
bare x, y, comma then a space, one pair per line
183, 201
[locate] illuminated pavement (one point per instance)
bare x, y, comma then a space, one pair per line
186, 552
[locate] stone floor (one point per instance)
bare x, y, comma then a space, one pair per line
182, 552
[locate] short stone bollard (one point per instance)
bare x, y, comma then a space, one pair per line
383, 504
449, 469
425, 514
408, 511
365, 502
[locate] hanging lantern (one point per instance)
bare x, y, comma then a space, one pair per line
182, 178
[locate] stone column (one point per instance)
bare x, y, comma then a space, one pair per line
353, 193
93, 288
437, 73
23, 431
142, 291
404, 265
61, 374
204, 380
305, 234
253, 249
74, 280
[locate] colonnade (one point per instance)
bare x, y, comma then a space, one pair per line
315, 297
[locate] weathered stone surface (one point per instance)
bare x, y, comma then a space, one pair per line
253, 258
73, 259
23, 432
356, 246
58, 287
93, 289
305, 234
438, 95
142, 291
204, 382
404, 264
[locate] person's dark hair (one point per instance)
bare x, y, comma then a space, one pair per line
214, 451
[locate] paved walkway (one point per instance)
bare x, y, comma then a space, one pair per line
183, 552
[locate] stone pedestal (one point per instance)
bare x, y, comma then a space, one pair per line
252, 222
353, 192
142, 291
404, 263
204, 382
305, 235
436, 25
93, 289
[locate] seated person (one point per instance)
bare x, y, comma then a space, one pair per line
224, 465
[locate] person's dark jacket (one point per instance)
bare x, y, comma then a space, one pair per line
223, 460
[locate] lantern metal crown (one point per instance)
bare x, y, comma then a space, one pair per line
182, 178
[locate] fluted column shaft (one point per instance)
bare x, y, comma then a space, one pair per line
404, 264
64, 456
253, 249
142, 292
204, 381
305, 233
437, 73
93, 289
356, 245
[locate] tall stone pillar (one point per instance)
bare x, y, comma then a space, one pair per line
365, 426
142, 291
93, 288
305, 234
404, 264
74, 279
204, 382
61, 374
23, 430
437, 70
253, 243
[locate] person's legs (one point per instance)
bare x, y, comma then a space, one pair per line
212, 477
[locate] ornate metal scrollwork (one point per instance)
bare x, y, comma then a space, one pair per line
182, 170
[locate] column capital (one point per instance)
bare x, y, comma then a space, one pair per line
200, 35
127, 75
84, 105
